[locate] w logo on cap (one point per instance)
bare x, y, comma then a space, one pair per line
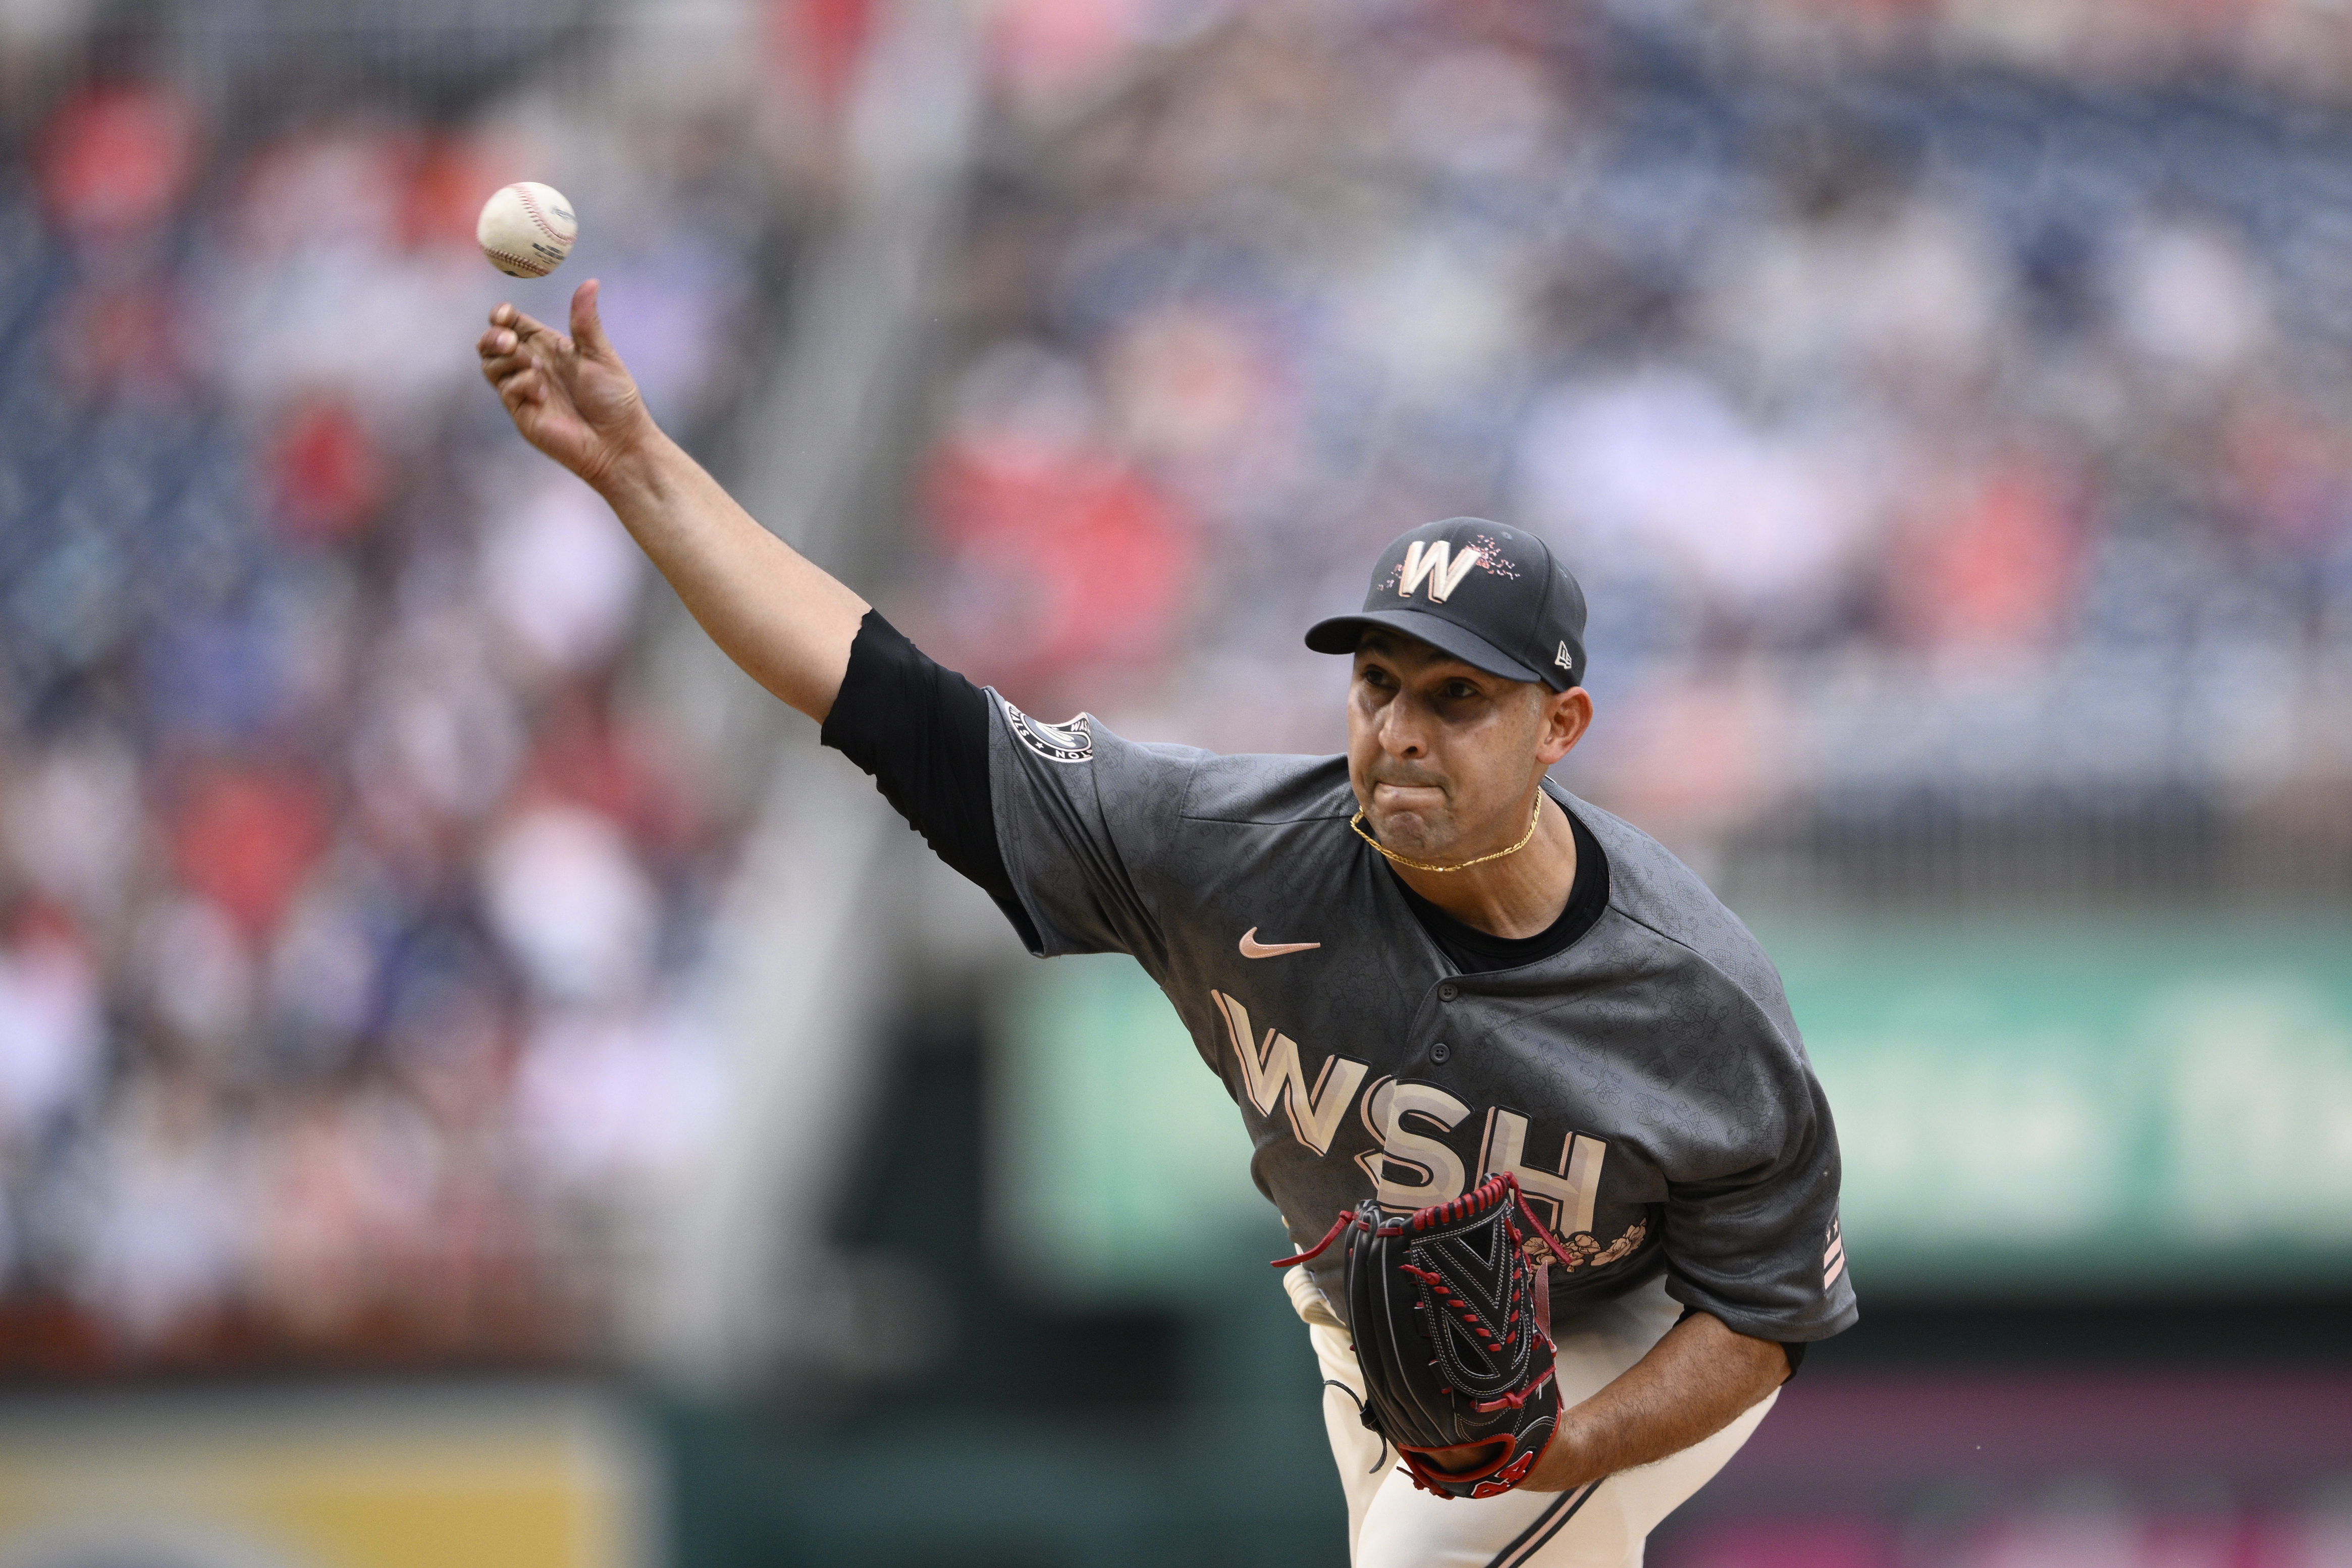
1436, 562
1525, 605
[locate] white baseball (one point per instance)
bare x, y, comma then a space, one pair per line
527, 229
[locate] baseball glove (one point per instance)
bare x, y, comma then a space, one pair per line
1452, 1321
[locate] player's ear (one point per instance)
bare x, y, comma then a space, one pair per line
1566, 717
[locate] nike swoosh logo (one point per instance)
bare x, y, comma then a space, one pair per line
1254, 948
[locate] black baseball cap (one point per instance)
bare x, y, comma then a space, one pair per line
1492, 597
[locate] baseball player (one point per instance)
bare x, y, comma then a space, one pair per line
1445, 995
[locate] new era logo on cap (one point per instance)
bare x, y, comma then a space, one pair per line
1491, 596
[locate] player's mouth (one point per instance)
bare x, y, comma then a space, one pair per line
1391, 800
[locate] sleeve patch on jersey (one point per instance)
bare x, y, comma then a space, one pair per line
1071, 741
1584, 1250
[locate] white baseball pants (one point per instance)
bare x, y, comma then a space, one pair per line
1393, 1524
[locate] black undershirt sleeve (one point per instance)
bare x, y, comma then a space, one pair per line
921, 731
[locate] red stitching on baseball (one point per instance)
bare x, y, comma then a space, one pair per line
538, 217
525, 262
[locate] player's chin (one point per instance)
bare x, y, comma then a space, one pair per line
1408, 831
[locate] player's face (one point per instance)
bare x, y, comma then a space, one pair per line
1443, 756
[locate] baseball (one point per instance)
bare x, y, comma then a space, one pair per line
527, 229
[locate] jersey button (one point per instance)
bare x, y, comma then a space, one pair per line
1440, 1052
1448, 991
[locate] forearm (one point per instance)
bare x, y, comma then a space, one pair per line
1694, 1383
787, 622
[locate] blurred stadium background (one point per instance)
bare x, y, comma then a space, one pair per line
478, 1084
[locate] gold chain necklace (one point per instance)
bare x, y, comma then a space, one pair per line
1534, 817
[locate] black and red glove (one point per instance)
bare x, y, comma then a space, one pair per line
1451, 1317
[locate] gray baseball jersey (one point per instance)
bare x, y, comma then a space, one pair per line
1646, 1085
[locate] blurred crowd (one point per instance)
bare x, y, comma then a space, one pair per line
347, 886
1930, 423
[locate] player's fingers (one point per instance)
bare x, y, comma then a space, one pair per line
501, 371
495, 343
515, 358
497, 373
521, 388
587, 324
523, 327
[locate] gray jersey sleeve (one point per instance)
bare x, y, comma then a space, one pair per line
1738, 1127
1752, 1232
1081, 816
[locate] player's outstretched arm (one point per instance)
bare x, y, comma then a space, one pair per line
785, 621
1692, 1383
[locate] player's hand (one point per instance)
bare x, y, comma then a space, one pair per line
570, 396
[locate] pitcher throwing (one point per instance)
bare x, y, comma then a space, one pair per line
1535, 1086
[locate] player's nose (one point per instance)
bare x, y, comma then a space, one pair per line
1401, 736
